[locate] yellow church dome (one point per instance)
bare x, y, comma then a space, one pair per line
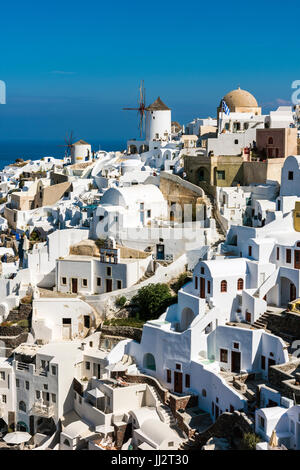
239, 99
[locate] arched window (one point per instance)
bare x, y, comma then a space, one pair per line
270, 141
203, 392
149, 361
22, 406
298, 244
240, 284
223, 286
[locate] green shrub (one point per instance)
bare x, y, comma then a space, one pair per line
23, 323
133, 322
152, 300
121, 301
181, 281
249, 441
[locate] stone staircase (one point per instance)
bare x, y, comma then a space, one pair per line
262, 321
164, 411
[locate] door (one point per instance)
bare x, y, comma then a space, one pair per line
248, 317
160, 251
67, 328
177, 382
292, 292
271, 362
96, 370
74, 285
202, 288
108, 285
235, 361
297, 259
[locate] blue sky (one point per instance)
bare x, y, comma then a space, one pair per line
74, 64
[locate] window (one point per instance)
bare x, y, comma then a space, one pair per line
119, 284
236, 345
178, 366
261, 422
38, 394
67, 443
196, 282
202, 270
98, 281
223, 286
169, 376
223, 355
187, 381
288, 256
2, 375
217, 400
53, 397
221, 175
84, 282
4, 399
27, 385
240, 284
64, 281
203, 392
108, 271
208, 287
277, 253
149, 213
65, 321
270, 141
170, 444
290, 175
249, 250
45, 386
231, 408
17, 383
263, 362
53, 370
87, 365
236, 141
22, 406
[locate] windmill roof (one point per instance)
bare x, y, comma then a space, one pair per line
158, 105
81, 142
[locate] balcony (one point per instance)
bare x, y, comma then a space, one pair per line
44, 411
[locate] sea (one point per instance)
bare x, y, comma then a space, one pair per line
35, 150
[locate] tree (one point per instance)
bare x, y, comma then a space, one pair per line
249, 441
151, 299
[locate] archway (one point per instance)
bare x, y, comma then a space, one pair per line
21, 426
288, 291
149, 361
203, 174
187, 316
132, 149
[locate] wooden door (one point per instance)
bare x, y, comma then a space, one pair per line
202, 287
235, 361
108, 285
74, 285
297, 259
177, 382
248, 317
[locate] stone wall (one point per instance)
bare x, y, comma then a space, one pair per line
123, 331
225, 426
